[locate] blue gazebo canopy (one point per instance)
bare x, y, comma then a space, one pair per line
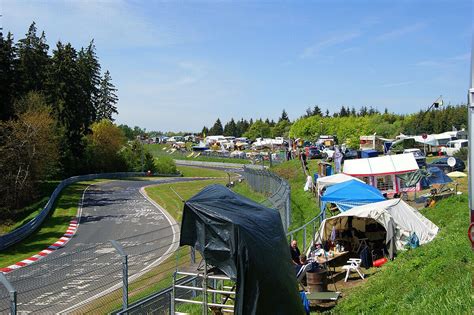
349, 194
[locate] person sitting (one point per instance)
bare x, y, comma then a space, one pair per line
316, 249
295, 253
304, 267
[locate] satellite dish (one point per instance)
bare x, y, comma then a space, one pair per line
451, 161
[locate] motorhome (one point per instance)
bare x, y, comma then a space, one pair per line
453, 146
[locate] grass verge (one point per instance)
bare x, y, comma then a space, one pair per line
191, 171
433, 279
52, 229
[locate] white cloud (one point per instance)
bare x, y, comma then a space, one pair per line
401, 31
335, 40
395, 84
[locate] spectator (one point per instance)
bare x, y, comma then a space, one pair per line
295, 252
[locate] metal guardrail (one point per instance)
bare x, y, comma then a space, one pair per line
276, 188
25, 230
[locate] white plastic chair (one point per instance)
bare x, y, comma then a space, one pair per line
354, 265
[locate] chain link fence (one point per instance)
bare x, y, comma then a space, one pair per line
276, 188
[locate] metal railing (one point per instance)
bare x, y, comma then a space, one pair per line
276, 188
24, 231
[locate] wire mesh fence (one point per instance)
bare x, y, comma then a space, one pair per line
276, 188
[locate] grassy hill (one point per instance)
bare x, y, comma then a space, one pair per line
433, 279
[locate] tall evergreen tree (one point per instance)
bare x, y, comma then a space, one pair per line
89, 70
327, 113
33, 61
230, 128
317, 111
7, 75
284, 116
205, 131
107, 99
66, 96
217, 129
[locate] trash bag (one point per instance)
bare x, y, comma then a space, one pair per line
366, 258
414, 240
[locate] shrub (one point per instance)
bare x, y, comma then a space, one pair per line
461, 154
165, 165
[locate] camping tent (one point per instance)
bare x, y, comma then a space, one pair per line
350, 194
246, 241
327, 181
437, 177
397, 217
381, 171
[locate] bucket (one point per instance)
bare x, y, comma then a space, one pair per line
317, 280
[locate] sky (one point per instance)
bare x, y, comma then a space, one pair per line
180, 65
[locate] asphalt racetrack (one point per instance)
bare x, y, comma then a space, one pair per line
88, 266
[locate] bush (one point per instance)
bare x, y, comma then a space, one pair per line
165, 165
461, 154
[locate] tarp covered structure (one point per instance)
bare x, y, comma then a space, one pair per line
349, 194
327, 181
436, 177
396, 216
246, 241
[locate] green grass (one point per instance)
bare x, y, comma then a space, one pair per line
52, 229
304, 205
190, 171
433, 279
245, 190
157, 150
24, 215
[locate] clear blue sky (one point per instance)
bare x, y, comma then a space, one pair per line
180, 65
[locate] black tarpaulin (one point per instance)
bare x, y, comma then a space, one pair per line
246, 241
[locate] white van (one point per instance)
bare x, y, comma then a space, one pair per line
454, 146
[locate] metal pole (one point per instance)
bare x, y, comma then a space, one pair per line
124, 256
11, 291
471, 136
173, 294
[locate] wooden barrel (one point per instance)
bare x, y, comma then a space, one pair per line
317, 280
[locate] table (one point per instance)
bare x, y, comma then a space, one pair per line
325, 260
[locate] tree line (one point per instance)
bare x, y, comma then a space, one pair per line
56, 117
347, 123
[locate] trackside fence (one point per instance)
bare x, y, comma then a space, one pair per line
276, 188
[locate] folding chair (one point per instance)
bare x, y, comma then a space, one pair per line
354, 265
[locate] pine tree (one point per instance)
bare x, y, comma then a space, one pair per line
309, 112
327, 113
33, 62
317, 111
89, 69
343, 112
284, 116
217, 129
107, 99
205, 131
7, 75
230, 128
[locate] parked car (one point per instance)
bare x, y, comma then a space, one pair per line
442, 163
419, 156
313, 152
351, 154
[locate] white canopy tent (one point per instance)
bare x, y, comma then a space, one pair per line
327, 181
396, 216
383, 165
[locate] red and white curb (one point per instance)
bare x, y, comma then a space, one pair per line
62, 241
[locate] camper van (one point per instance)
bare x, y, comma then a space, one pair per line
454, 146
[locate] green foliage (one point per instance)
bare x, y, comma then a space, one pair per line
165, 165
138, 158
348, 126
435, 278
258, 129
217, 129
462, 154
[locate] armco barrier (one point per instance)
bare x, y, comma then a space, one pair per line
24, 231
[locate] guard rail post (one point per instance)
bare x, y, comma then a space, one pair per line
11, 291
124, 256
